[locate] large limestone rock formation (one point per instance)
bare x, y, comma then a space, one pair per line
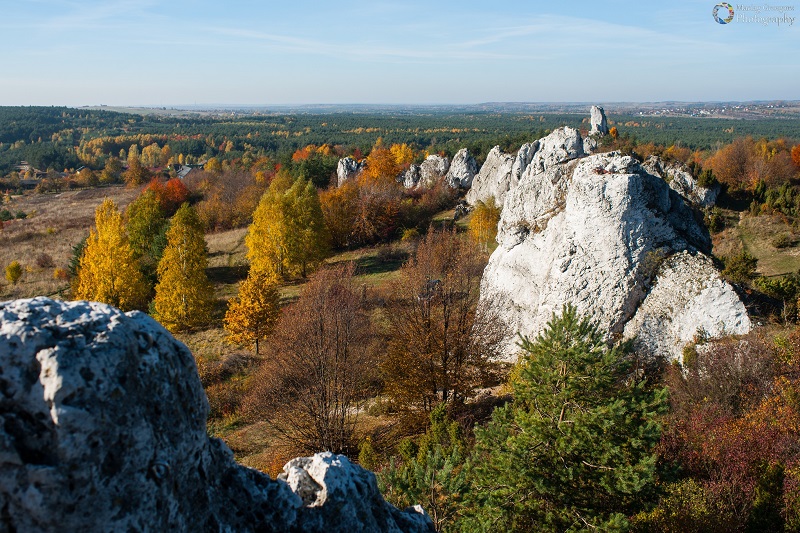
681, 181
497, 179
347, 168
425, 175
104, 429
598, 121
500, 173
592, 231
462, 170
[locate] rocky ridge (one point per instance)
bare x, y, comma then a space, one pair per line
104, 429
600, 232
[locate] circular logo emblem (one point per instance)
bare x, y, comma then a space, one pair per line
723, 12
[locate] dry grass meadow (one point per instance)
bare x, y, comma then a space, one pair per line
43, 240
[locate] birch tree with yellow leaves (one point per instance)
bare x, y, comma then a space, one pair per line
108, 271
184, 296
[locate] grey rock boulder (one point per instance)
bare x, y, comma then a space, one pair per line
688, 301
462, 170
433, 169
103, 428
347, 168
598, 121
681, 181
494, 179
328, 484
500, 173
410, 177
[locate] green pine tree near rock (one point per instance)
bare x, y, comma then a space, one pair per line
573, 451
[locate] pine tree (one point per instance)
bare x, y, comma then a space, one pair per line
574, 450
184, 296
307, 234
145, 221
252, 314
432, 472
108, 269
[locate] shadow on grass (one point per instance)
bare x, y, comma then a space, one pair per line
380, 263
227, 274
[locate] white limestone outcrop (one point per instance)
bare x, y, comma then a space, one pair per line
462, 170
348, 168
598, 121
584, 230
681, 181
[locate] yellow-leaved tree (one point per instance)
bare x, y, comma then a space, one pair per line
252, 314
483, 224
184, 296
108, 271
403, 154
288, 234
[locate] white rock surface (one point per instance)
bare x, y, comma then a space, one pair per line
688, 300
103, 428
433, 169
328, 482
494, 179
500, 173
462, 170
598, 121
409, 177
346, 169
581, 232
681, 181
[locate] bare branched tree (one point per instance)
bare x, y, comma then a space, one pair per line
441, 348
320, 368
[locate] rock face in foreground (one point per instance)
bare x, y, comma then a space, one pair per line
598, 232
104, 429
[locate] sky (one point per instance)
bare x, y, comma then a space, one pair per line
260, 52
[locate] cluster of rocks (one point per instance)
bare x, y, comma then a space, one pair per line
104, 429
622, 241
457, 174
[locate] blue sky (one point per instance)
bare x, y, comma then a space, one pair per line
146, 52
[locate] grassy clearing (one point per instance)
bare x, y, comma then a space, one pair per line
55, 223
757, 235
